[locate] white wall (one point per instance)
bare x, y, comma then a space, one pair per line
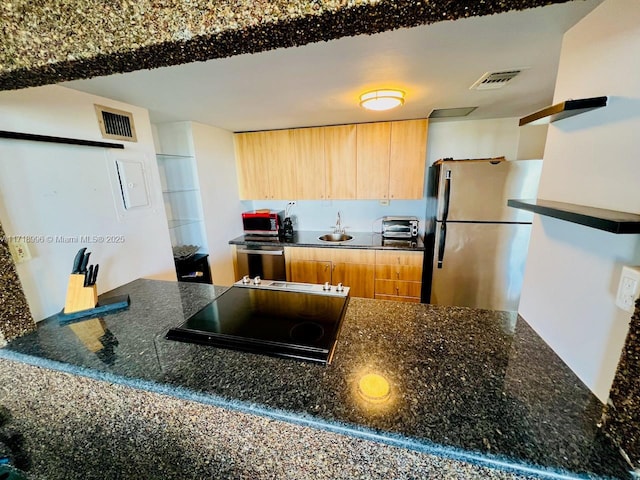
453, 138
473, 139
572, 271
214, 152
61, 192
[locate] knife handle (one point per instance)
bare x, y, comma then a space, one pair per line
77, 261
85, 262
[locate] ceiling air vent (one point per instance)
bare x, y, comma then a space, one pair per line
116, 124
493, 80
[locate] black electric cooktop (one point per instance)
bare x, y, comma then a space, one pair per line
283, 319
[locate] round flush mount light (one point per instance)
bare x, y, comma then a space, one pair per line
382, 99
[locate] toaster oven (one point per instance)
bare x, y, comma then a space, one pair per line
400, 227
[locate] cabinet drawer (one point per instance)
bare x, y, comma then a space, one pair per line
391, 257
398, 288
409, 273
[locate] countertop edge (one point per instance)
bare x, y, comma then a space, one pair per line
395, 440
355, 244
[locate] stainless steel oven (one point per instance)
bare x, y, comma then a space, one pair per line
266, 262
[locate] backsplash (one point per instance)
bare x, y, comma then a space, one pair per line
15, 316
356, 215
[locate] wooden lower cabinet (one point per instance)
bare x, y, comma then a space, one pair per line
382, 274
398, 275
352, 267
310, 271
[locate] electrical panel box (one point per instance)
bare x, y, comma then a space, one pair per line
133, 184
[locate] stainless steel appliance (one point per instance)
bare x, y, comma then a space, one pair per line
399, 227
263, 222
282, 319
479, 244
264, 261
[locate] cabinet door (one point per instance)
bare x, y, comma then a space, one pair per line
407, 159
281, 164
308, 150
340, 161
373, 147
252, 165
310, 271
359, 277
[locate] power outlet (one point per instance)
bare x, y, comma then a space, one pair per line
628, 288
19, 251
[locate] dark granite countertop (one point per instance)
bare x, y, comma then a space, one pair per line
360, 240
468, 384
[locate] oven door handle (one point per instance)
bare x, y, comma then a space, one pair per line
261, 252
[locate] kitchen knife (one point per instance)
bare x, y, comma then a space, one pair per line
85, 262
87, 276
78, 260
94, 277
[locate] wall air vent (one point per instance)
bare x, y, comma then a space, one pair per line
116, 124
493, 80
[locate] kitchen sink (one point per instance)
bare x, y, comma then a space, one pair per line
335, 237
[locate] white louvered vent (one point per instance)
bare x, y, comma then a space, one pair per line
493, 80
116, 124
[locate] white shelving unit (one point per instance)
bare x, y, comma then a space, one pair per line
182, 203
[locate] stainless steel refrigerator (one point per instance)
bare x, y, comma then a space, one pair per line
479, 244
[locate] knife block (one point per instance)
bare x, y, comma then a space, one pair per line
80, 297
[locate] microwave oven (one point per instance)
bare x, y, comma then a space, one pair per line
263, 222
399, 227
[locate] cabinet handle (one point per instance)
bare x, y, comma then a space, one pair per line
398, 275
398, 291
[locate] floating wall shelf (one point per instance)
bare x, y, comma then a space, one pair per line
565, 109
49, 139
599, 218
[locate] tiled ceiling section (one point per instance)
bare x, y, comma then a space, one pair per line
49, 42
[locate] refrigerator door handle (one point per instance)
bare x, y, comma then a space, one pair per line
447, 195
441, 243
445, 214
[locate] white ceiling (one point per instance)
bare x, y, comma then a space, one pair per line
319, 84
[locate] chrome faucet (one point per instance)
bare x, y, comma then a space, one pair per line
338, 227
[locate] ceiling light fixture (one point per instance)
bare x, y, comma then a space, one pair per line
382, 99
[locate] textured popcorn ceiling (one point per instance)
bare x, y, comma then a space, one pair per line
44, 42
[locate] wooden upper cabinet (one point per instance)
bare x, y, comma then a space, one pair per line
407, 159
281, 161
266, 165
383, 160
252, 165
373, 148
308, 148
340, 162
